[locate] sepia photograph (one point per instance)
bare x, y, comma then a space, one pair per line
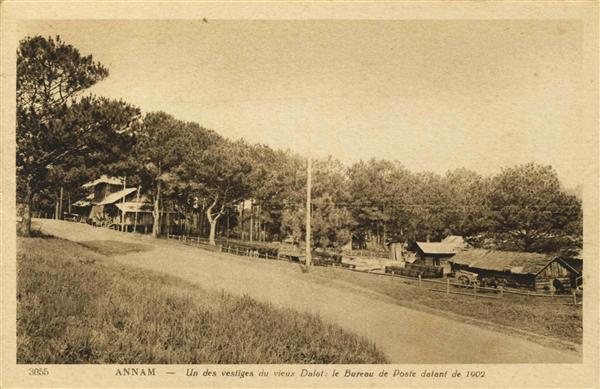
349, 192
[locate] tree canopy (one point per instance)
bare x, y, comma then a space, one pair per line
56, 128
65, 138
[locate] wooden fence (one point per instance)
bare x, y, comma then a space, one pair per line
381, 254
436, 285
449, 287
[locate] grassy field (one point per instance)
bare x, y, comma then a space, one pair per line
74, 305
114, 247
564, 322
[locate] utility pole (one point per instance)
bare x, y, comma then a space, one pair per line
123, 205
308, 201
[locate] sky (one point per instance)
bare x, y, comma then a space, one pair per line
434, 95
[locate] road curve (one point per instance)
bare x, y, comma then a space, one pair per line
404, 335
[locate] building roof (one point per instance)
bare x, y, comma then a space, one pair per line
575, 263
87, 201
134, 207
114, 197
439, 248
82, 203
104, 179
505, 261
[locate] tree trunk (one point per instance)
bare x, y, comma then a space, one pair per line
156, 212
212, 219
257, 224
60, 206
527, 243
166, 216
25, 227
212, 233
213, 228
241, 222
251, 221
227, 227
56, 205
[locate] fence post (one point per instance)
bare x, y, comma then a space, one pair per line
474, 289
220, 248
574, 297
167, 235
447, 285
198, 239
501, 291
419, 280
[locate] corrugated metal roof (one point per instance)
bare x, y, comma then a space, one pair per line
506, 261
436, 248
114, 197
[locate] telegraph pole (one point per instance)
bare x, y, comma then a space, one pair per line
308, 194
123, 205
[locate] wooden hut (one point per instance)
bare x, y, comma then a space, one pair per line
534, 271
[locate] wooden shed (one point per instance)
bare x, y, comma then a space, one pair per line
534, 271
435, 254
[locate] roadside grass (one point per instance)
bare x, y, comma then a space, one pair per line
564, 322
114, 247
75, 305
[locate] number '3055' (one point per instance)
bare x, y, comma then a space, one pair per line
38, 371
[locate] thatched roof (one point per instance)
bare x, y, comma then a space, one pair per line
504, 261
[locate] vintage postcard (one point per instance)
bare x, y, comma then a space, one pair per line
299, 194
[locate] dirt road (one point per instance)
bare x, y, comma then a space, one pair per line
405, 335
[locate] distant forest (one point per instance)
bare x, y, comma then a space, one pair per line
66, 137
